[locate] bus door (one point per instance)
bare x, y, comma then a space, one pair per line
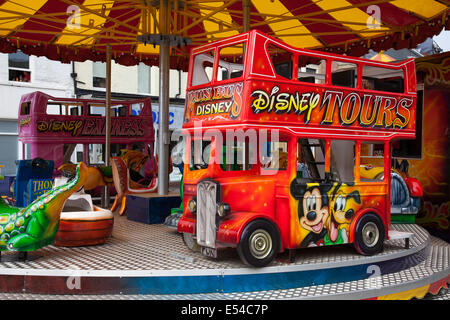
312, 180
277, 164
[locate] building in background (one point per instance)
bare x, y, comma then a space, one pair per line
21, 74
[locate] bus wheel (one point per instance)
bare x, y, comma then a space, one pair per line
189, 241
259, 243
369, 235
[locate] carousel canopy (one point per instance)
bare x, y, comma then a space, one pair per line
381, 56
79, 30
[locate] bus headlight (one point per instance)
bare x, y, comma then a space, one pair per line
192, 205
223, 209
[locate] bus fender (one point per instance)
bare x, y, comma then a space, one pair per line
232, 226
358, 216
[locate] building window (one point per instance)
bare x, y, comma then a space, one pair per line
99, 75
144, 73
19, 67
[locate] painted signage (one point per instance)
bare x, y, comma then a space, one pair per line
36, 188
367, 110
225, 100
94, 126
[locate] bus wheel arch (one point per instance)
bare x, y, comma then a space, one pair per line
369, 234
259, 243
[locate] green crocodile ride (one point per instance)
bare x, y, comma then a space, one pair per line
35, 226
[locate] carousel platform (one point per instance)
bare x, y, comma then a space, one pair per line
151, 262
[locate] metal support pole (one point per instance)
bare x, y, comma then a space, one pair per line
164, 134
246, 15
105, 195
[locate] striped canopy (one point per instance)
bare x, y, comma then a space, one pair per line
79, 30
381, 56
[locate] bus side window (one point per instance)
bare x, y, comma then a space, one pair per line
95, 110
275, 155
311, 69
371, 162
311, 159
76, 110
238, 156
281, 60
56, 108
383, 79
342, 160
200, 151
25, 108
203, 68
302, 167
343, 74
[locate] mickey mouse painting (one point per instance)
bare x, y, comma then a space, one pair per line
312, 211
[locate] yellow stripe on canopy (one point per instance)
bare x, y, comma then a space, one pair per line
14, 14
82, 34
357, 19
147, 48
286, 27
219, 16
424, 8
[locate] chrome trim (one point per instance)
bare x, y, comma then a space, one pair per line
206, 213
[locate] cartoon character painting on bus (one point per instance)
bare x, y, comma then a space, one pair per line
284, 172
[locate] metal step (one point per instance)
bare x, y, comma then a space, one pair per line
395, 235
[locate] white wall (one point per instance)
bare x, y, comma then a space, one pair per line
125, 79
51, 77
84, 74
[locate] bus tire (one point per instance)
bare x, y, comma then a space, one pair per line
189, 241
259, 243
369, 235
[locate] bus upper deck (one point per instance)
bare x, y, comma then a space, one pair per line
255, 80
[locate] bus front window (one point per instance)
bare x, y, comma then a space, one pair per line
237, 156
200, 151
231, 62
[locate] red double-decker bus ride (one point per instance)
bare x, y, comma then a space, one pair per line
274, 141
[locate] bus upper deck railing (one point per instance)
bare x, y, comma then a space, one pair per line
43, 118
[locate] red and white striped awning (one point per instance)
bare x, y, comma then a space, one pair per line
78, 30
